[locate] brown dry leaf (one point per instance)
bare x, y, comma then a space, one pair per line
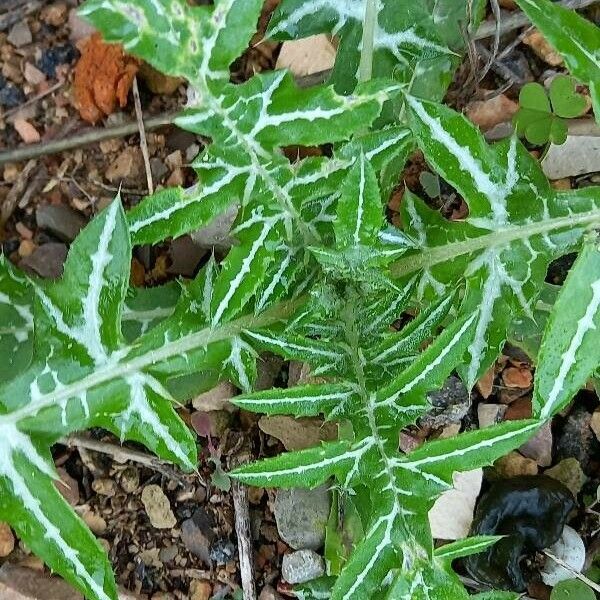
485, 385
538, 43
307, 56
103, 77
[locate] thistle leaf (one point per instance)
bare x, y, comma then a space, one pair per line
570, 345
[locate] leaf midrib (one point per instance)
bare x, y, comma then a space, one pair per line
430, 257
121, 369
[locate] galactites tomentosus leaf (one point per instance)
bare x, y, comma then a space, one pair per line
370, 387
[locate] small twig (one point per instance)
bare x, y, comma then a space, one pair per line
10, 202
574, 572
519, 19
143, 142
241, 506
50, 90
89, 136
122, 454
496, 43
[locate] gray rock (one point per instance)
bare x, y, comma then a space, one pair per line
197, 534
301, 516
46, 261
302, 566
450, 404
269, 593
20, 34
61, 221
576, 438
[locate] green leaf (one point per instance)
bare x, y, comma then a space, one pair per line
502, 249
570, 345
566, 102
577, 40
572, 589
407, 40
466, 547
16, 321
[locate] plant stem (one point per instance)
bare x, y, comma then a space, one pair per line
365, 69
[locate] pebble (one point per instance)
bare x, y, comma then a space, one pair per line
217, 398
20, 34
301, 515
26, 248
105, 487
55, 56
515, 377
489, 113
10, 95
489, 414
7, 540
54, 14
200, 589
28, 133
519, 409
538, 43
197, 535
61, 221
33, 75
298, 434
571, 550
128, 167
158, 169
514, 465
302, 566
595, 424
68, 487
269, 593
576, 438
222, 551
450, 404
79, 28
158, 507
568, 472
539, 447
129, 480
46, 261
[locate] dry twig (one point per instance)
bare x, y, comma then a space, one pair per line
143, 143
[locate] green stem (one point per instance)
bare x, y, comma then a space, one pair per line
365, 69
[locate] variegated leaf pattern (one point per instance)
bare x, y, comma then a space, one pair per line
84, 373
576, 38
377, 403
415, 42
516, 225
570, 350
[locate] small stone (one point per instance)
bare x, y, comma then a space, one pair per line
485, 385
185, 256
60, 220
129, 480
514, 465
168, 554
22, 583
176, 178
570, 473
489, 113
54, 57
539, 447
515, 377
450, 404
538, 43
33, 75
570, 549
301, 515
79, 28
174, 160
302, 566
19, 34
128, 167
269, 593
519, 409
10, 95
158, 169
298, 434
222, 551
217, 398
46, 261
595, 424
7, 540
158, 507
307, 56
104, 487
157, 82
93, 520
576, 438
489, 414
55, 14
200, 589
68, 487
28, 133
26, 248
197, 534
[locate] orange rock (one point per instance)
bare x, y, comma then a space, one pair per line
103, 77
515, 377
519, 409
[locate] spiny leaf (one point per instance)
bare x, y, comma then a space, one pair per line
570, 349
501, 249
